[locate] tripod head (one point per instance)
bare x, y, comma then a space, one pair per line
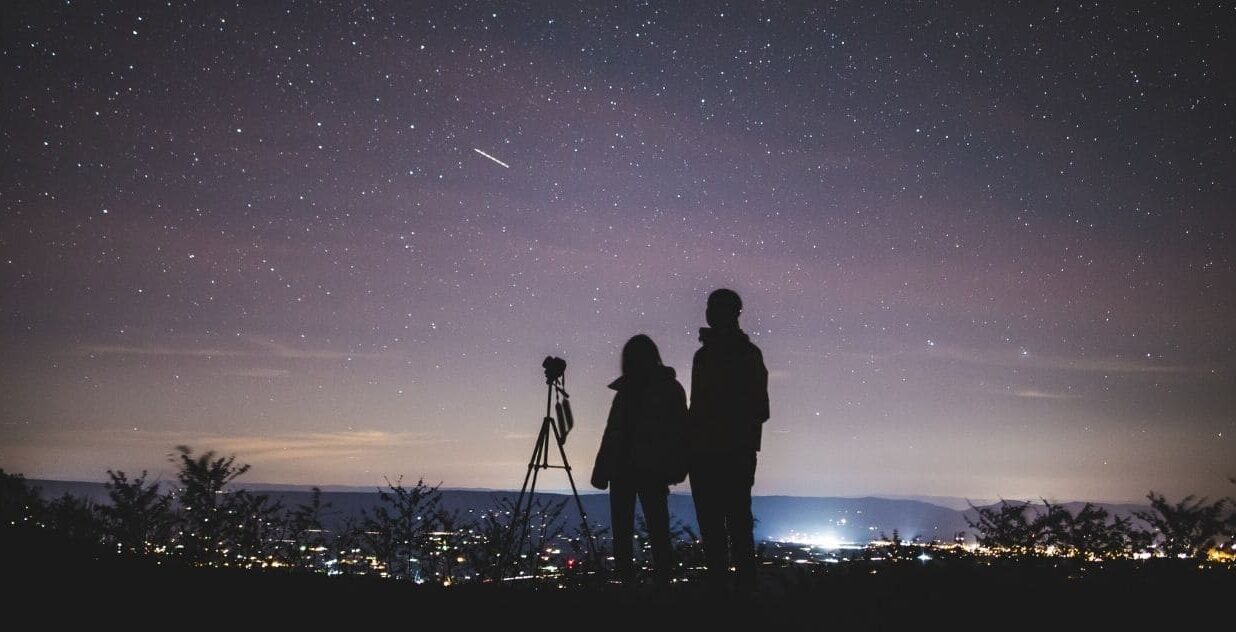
554, 369
555, 378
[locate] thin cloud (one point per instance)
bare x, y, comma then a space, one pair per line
1031, 393
317, 445
1017, 358
279, 350
158, 350
257, 348
259, 373
263, 447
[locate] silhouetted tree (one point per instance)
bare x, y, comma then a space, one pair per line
1006, 528
139, 517
1090, 533
203, 522
1051, 527
20, 504
77, 520
397, 530
543, 532
1021, 529
1229, 524
306, 534
580, 563
446, 554
252, 523
1188, 528
348, 545
488, 555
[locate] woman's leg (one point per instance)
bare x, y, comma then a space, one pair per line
622, 519
654, 499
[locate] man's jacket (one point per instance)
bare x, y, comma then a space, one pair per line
729, 393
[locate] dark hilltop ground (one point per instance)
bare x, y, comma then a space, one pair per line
48, 581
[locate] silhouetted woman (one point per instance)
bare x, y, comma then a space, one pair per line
642, 453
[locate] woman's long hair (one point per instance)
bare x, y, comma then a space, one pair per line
640, 357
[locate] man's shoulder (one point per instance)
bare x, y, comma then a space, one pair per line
753, 350
737, 347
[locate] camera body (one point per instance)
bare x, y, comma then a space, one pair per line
554, 369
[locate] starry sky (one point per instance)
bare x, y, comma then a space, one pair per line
987, 250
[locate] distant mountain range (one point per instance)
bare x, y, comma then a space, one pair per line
794, 518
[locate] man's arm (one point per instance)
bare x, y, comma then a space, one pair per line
697, 391
760, 384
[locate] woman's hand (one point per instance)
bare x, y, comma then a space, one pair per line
599, 481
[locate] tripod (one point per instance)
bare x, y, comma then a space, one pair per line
558, 400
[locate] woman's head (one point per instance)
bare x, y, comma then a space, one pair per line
640, 356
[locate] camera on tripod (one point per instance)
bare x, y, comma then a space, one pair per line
555, 427
554, 369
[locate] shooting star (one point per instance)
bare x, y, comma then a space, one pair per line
491, 158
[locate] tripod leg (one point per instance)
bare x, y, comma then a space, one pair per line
510, 549
523, 515
579, 504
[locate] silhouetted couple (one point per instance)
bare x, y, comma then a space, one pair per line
653, 440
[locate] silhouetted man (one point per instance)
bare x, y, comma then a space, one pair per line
729, 404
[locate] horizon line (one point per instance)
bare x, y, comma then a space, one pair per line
352, 488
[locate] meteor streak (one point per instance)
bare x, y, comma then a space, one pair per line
491, 158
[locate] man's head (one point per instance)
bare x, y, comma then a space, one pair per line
724, 306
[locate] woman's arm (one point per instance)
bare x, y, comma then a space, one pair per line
603, 467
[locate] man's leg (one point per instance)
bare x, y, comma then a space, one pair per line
622, 517
739, 519
707, 491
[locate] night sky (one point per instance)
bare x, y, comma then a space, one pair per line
987, 250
